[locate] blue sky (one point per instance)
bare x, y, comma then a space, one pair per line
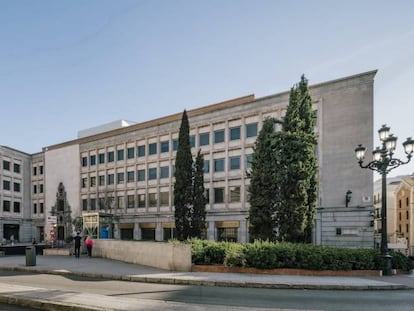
71, 65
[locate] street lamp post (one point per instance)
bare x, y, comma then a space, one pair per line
383, 162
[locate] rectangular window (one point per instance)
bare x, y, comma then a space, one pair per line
164, 198
120, 155
34, 171
218, 136
152, 197
92, 159
218, 165
111, 156
34, 188
164, 172
192, 141
16, 187
235, 163
121, 201
41, 169
204, 139
407, 215
251, 130
84, 161
141, 151
41, 188
34, 208
6, 165
152, 148
84, 204
152, 173
101, 180
249, 160
6, 185
131, 176
16, 168
120, 178
41, 208
131, 201
218, 195
141, 200
141, 175
101, 202
93, 181
206, 167
207, 195
84, 182
234, 194
6, 206
111, 179
101, 158
93, 204
235, 133
165, 146
16, 207
175, 144
131, 153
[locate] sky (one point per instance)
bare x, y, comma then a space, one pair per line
67, 65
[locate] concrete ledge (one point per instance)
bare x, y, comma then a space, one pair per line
162, 255
56, 252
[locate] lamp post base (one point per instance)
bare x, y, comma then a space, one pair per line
388, 266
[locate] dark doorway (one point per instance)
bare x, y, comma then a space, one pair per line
10, 230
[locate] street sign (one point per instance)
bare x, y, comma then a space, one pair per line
51, 219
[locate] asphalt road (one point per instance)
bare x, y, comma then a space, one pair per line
401, 300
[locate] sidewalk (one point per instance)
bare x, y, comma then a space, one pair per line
117, 270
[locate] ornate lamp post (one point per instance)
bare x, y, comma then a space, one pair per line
383, 162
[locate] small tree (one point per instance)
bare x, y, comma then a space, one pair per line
198, 216
183, 187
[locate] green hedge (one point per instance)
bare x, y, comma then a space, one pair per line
269, 255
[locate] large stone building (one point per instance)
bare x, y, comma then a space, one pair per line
119, 178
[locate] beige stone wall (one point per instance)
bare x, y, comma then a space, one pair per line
169, 256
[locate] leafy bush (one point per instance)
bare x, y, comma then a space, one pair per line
270, 255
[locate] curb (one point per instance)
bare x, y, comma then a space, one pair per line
183, 281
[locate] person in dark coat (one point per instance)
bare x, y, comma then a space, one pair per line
77, 239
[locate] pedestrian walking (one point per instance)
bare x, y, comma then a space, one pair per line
77, 239
89, 244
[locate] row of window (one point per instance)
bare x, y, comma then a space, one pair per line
38, 209
38, 188
164, 172
155, 199
164, 146
36, 169
16, 166
7, 206
7, 186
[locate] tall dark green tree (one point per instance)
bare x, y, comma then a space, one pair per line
183, 186
263, 190
198, 216
297, 170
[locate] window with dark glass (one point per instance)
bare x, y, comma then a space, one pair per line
34, 188
207, 195
16, 168
152, 199
93, 204
6, 165
101, 158
92, 159
130, 176
152, 148
41, 169
249, 160
84, 161
34, 170
165, 146
101, 203
141, 175
120, 178
16, 207
218, 136
111, 179
93, 181
84, 182
111, 156
234, 163
6, 185
175, 144
121, 202
131, 153
234, 133
101, 180
204, 139
84, 204
6, 206
141, 200
120, 155
251, 130
152, 173
41, 188
218, 165
218, 195
16, 187
34, 208
141, 151
234, 194
192, 141
164, 198
41, 208
206, 167
131, 201
164, 172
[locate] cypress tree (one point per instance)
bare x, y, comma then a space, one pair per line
183, 186
198, 216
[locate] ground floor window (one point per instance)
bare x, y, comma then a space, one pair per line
11, 232
127, 234
227, 234
148, 234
